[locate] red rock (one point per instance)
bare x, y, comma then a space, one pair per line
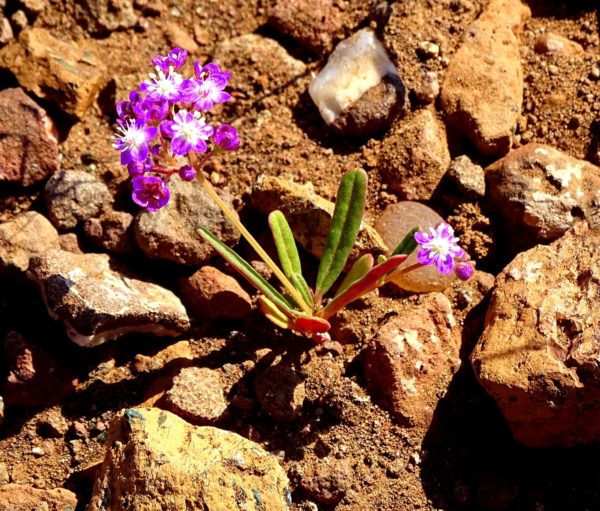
28, 146
22, 497
313, 23
197, 395
34, 378
113, 232
411, 361
327, 480
554, 44
280, 392
211, 293
538, 353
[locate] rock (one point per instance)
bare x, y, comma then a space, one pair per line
27, 235
172, 232
73, 196
97, 300
113, 232
314, 24
210, 293
539, 192
70, 242
52, 424
4, 475
554, 44
35, 6
197, 395
410, 362
28, 145
101, 16
280, 392
359, 92
19, 19
63, 72
179, 38
6, 31
468, 177
414, 156
22, 497
1, 417
482, 90
190, 467
327, 480
180, 352
538, 355
272, 66
393, 225
429, 88
309, 216
34, 378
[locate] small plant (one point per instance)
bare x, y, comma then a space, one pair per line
162, 131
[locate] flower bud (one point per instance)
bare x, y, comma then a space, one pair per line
187, 173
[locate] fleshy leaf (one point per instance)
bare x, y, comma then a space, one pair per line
363, 286
310, 325
285, 243
345, 224
300, 284
249, 273
408, 244
273, 313
359, 269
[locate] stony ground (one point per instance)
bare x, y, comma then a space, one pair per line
492, 123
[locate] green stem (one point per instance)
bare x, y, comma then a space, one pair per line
294, 293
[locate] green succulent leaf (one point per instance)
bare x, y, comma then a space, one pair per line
249, 273
301, 285
363, 286
273, 313
408, 244
285, 243
345, 224
359, 269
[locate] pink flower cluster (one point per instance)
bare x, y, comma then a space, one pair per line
163, 121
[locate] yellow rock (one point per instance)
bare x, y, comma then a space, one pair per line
158, 462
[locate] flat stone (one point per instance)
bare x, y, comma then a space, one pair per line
63, 72
171, 233
555, 44
101, 16
414, 156
98, 300
73, 196
197, 395
393, 225
22, 497
195, 467
112, 231
26, 235
410, 362
313, 23
28, 145
359, 92
539, 192
280, 392
34, 378
538, 354
482, 91
468, 177
210, 293
309, 216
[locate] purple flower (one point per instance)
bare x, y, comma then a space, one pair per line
226, 137
210, 69
463, 270
150, 192
206, 90
151, 111
163, 86
139, 168
438, 247
175, 59
187, 173
187, 132
132, 140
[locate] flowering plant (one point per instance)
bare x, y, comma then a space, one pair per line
162, 131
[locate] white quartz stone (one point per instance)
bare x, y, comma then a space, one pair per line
356, 65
